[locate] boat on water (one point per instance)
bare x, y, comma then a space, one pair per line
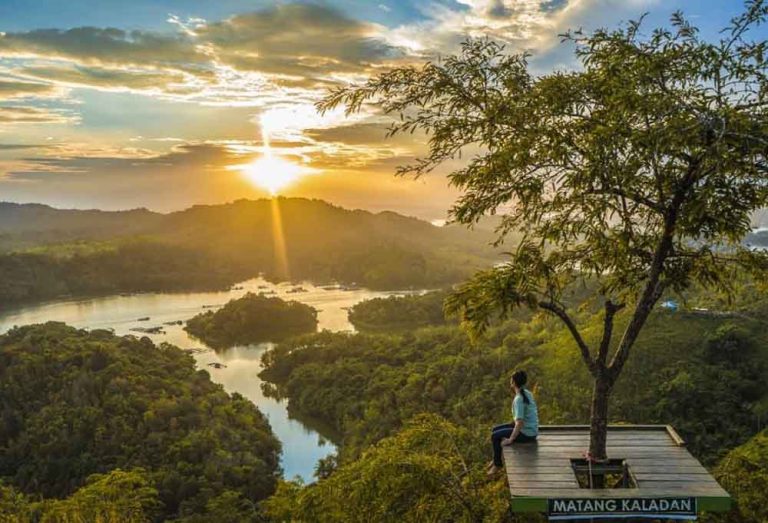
148, 330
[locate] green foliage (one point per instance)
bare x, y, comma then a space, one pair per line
324, 242
15, 507
75, 403
399, 312
366, 386
426, 472
135, 266
639, 171
24, 226
228, 507
712, 396
254, 318
116, 497
210, 247
653, 138
744, 474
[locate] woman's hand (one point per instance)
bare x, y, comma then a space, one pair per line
506, 442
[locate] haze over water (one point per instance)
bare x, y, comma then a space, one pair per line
302, 446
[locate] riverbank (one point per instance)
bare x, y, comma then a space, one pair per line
303, 443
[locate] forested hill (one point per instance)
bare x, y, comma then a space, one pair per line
46, 253
97, 427
35, 224
411, 409
324, 241
32, 224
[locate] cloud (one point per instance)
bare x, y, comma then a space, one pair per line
524, 25
34, 115
19, 146
297, 39
93, 45
106, 78
367, 133
284, 52
10, 89
168, 180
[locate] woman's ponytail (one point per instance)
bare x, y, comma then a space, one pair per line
520, 378
525, 396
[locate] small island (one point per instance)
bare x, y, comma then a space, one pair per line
398, 313
254, 318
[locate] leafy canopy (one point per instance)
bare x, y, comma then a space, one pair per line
640, 170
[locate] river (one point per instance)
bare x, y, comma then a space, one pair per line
302, 446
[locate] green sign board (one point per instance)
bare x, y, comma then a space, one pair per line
682, 508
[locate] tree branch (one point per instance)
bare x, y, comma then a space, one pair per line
560, 312
655, 287
637, 198
610, 311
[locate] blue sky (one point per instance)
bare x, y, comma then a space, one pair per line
163, 103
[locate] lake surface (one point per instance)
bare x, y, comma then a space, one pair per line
302, 446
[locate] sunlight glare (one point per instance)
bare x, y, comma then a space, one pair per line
270, 172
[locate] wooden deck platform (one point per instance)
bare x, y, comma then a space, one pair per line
540, 473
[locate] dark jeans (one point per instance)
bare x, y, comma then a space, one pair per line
500, 432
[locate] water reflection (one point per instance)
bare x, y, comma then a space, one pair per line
302, 446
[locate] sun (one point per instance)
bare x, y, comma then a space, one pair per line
271, 173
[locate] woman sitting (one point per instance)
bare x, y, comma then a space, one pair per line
526, 421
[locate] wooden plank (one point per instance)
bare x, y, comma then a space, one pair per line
639, 471
611, 442
613, 452
678, 485
524, 484
639, 465
579, 450
611, 428
677, 476
561, 474
543, 476
652, 467
615, 435
611, 437
694, 491
634, 462
531, 447
675, 436
637, 435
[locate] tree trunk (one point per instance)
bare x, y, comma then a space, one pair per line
598, 430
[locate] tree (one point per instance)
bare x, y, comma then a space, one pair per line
744, 472
422, 473
118, 496
639, 171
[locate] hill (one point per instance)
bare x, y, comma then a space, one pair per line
374, 390
75, 403
324, 242
51, 252
396, 313
28, 225
254, 318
